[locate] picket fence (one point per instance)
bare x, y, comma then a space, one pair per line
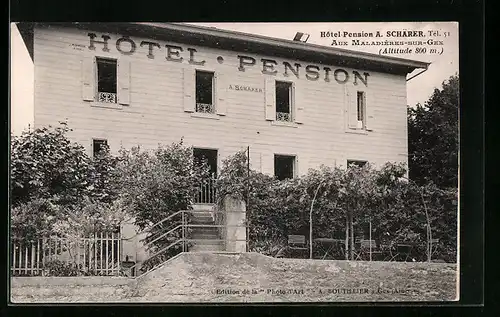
97, 255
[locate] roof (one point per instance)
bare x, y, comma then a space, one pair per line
250, 43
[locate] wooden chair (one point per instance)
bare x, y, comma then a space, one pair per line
364, 250
297, 242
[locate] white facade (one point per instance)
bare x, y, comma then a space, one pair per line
156, 101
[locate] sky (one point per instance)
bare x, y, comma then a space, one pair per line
419, 89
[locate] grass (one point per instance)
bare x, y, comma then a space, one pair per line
251, 277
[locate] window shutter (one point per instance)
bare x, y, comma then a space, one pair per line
189, 78
352, 109
220, 89
270, 99
370, 111
88, 78
123, 82
298, 102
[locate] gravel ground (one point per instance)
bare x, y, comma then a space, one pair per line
251, 277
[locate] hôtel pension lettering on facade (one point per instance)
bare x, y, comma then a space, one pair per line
295, 105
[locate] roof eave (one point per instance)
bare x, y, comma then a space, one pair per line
257, 44
26, 31
293, 45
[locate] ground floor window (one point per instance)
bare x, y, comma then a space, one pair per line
98, 145
284, 166
358, 163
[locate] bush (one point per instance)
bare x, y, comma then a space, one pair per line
61, 268
46, 164
33, 219
398, 209
156, 184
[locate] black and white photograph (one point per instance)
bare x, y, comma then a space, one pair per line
162, 162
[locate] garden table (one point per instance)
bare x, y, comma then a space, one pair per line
329, 245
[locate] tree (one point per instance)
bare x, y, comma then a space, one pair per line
57, 189
433, 137
46, 164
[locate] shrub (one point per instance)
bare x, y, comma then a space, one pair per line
33, 219
156, 184
46, 164
61, 268
397, 209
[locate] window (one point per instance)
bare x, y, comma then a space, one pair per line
206, 155
205, 92
98, 145
356, 163
361, 109
106, 80
206, 190
283, 101
284, 166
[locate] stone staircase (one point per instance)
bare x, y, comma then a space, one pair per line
208, 237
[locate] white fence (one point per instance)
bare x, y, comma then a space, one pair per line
97, 255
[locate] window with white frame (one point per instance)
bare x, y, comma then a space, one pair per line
361, 109
106, 80
205, 92
284, 100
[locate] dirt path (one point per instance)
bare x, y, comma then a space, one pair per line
252, 277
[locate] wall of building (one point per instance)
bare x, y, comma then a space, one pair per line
21, 85
155, 112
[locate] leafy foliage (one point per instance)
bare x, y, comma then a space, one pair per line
33, 219
394, 205
57, 189
156, 184
61, 268
45, 164
433, 137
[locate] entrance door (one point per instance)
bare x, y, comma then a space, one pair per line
206, 193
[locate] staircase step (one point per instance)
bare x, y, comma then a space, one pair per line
198, 248
207, 241
205, 237
203, 207
202, 221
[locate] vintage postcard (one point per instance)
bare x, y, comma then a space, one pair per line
234, 162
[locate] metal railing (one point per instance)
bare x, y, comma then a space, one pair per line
205, 108
107, 97
176, 233
283, 116
206, 193
96, 255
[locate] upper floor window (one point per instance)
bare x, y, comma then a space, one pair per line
284, 101
205, 92
106, 79
361, 109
